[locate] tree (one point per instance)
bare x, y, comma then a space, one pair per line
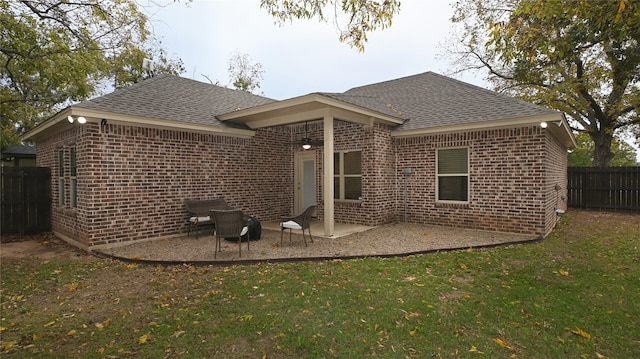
242, 74
363, 15
579, 57
54, 53
582, 156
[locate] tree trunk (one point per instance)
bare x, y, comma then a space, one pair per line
602, 154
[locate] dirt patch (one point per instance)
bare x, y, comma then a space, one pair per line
43, 246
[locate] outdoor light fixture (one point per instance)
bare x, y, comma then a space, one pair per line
306, 143
103, 122
81, 120
544, 124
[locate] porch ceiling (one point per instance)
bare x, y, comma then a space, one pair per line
307, 108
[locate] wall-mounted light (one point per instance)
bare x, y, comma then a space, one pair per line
544, 124
103, 122
81, 119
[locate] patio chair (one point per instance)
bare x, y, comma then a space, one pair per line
301, 221
229, 224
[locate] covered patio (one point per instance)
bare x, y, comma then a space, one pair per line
317, 229
349, 242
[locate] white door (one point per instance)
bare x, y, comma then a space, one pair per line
305, 180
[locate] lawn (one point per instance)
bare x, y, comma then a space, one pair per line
574, 295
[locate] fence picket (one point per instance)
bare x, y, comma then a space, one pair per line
26, 200
614, 188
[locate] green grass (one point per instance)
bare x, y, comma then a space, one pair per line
574, 295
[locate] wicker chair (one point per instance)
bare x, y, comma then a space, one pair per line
301, 221
229, 224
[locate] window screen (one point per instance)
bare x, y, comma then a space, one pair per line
453, 174
347, 172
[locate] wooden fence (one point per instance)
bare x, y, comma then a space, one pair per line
26, 200
614, 188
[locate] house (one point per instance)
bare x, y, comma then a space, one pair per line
19, 155
423, 148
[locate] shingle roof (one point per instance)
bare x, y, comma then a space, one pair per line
20, 150
432, 100
174, 98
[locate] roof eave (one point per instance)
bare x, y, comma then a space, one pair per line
557, 124
59, 123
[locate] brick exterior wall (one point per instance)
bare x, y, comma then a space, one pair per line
556, 162
133, 181
378, 172
507, 180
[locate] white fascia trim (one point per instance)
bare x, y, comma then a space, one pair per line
496, 124
94, 116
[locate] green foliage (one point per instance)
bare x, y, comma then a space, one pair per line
582, 156
54, 53
362, 15
573, 295
242, 74
579, 57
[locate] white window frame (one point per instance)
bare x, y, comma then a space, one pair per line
465, 174
73, 179
61, 194
341, 177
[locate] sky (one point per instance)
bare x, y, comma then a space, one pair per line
303, 56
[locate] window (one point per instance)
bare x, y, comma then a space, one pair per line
453, 174
73, 183
347, 175
61, 193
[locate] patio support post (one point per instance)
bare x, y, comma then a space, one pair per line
328, 176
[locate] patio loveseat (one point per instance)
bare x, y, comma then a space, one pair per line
199, 211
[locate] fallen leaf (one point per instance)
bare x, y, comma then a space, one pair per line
600, 356
581, 333
143, 339
563, 272
500, 342
71, 332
